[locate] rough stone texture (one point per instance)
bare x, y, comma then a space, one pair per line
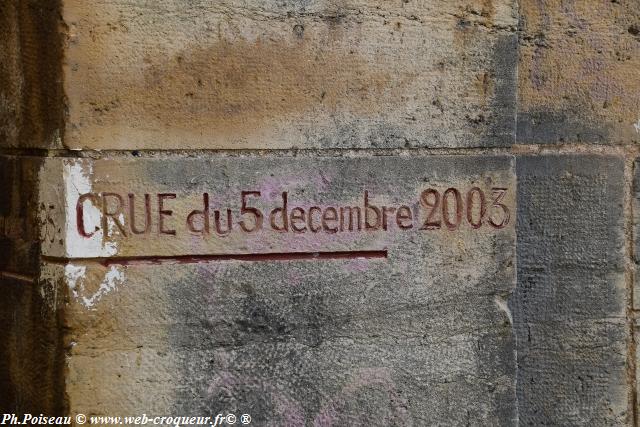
317, 74
323, 182
256, 74
31, 89
569, 305
416, 338
636, 230
578, 72
31, 370
420, 337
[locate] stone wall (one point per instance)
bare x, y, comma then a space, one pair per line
320, 213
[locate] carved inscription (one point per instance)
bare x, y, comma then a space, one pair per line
449, 208
434, 209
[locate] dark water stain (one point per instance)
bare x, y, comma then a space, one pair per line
32, 364
238, 86
7, 173
550, 126
33, 31
503, 103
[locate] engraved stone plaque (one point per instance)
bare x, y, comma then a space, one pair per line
290, 288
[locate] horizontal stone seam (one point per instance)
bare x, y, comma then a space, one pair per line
539, 149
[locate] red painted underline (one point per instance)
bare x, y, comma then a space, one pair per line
194, 259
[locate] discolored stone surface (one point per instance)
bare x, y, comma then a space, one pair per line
19, 214
31, 363
31, 87
577, 72
569, 304
417, 332
254, 74
31, 356
636, 228
317, 316
317, 74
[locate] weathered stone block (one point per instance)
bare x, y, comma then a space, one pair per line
399, 319
255, 74
569, 305
156, 206
316, 74
578, 71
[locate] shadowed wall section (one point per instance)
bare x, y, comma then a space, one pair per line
569, 305
31, 354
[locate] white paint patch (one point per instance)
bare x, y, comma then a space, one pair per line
73, 274
637, 126
77, 180
113, 227
50, 276
113, 278
76, 278
502, 305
